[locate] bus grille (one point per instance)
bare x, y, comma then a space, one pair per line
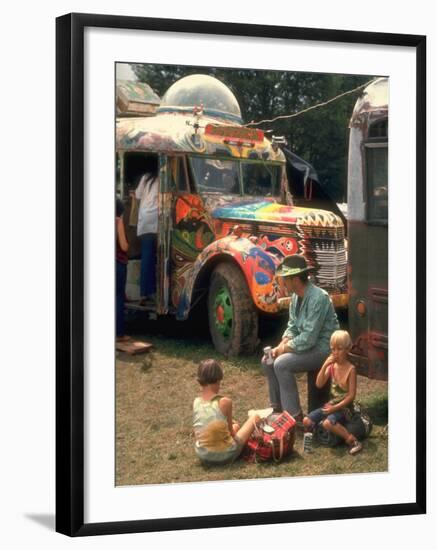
322, 233
329, 259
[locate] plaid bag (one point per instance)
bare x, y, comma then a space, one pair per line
263, 446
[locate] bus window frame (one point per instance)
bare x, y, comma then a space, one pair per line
373, 143
212, 157
264, 163
189, 186
239, 161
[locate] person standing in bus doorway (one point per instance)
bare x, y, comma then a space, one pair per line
147, 228
305, 343
121, 257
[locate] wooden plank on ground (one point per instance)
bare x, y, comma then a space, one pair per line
133, 347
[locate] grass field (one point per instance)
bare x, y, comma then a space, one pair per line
154, 395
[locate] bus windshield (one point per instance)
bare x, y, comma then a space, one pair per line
231, 177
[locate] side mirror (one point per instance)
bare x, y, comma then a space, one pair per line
289, 198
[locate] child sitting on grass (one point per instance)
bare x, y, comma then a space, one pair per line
343, 378
218, 439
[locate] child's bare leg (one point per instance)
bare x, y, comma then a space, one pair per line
355, 446
308, 424
247, 428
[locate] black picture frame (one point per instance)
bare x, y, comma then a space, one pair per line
70, 273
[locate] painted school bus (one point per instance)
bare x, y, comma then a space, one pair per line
368, 231
226, 215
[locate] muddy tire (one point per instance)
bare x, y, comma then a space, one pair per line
232, 316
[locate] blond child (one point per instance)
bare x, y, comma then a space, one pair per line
219, 440
343, 379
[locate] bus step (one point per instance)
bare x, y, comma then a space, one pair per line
150, 309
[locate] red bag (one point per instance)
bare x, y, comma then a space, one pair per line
263, 446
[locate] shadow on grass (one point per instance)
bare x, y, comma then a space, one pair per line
371, 446
193, 350
377, 408
193, 333
191, 340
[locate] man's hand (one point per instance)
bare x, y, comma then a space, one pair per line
280, 349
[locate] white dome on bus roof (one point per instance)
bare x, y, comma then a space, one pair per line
376, 93
191, 91
374, 97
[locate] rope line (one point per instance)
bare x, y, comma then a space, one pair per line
322, 104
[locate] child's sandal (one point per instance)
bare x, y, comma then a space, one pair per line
356, 447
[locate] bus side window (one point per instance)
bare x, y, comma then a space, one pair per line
377, 172
177, 175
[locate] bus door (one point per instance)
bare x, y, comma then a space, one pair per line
164, 237
176, 185
132, 167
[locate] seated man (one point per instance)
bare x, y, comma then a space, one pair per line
305, 343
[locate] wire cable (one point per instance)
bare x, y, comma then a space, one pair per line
322, 104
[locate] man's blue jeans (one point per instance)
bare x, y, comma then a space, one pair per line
283, 391
148, 264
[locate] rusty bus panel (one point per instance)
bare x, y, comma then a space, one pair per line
368, 231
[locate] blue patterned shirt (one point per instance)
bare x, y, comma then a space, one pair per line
310, 327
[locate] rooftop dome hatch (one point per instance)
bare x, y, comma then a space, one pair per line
191, 91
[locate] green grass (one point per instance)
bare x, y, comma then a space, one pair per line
154, 395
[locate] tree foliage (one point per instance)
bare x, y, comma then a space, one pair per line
319, 136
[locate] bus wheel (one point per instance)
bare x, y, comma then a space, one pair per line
233, 319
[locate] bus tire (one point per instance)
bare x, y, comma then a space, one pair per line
232, 316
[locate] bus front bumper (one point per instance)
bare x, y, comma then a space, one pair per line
340, 301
